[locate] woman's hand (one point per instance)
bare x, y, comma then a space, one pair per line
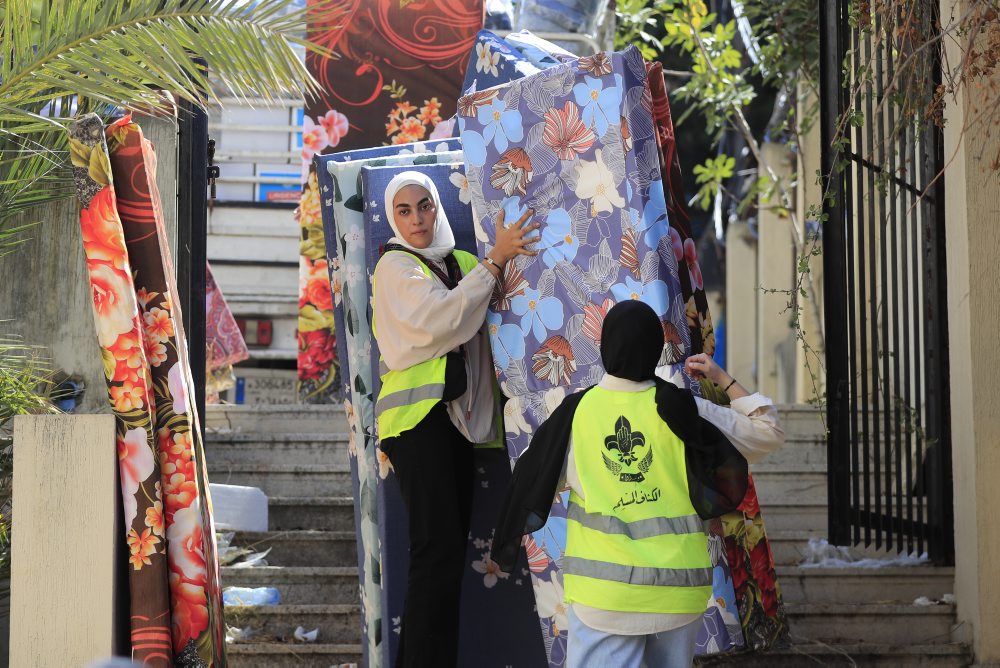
702, 366
513, 240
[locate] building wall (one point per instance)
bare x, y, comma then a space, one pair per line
810, 364
972, 189
761, 274
776, 343
741, 304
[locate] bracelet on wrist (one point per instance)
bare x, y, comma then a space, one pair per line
731, 383
490, 260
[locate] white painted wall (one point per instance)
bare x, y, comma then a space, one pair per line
65, 543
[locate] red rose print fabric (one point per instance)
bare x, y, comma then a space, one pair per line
751, 561
175, 598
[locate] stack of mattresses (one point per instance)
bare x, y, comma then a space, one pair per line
497, 616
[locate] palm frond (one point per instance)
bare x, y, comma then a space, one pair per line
67, 57
33, 171
115, 51
23, 374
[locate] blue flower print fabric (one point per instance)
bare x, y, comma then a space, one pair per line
493, 62
575, 144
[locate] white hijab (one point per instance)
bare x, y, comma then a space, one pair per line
443, 241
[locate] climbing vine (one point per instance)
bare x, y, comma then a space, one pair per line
781, 42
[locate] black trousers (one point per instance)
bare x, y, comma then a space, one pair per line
433, 464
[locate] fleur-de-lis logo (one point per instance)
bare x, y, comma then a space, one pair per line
625, 443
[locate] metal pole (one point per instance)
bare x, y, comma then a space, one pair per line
192, 224
834, 276
938, 394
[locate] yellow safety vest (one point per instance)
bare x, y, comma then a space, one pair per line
634, 542
408, 395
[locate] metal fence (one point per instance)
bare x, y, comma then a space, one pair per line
889, 447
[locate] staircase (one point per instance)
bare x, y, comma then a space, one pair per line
298, 456
842, 616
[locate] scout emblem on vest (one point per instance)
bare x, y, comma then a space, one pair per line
625, 442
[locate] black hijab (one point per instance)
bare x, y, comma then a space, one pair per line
631, 341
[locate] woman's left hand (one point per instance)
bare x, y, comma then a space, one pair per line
703, 366
513, 240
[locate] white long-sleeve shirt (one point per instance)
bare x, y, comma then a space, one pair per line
750, 424
418, 319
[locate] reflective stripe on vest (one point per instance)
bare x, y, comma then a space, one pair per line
634, 542
639, 575
638, 530
408, 395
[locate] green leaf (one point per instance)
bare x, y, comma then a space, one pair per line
62, 58
312, 319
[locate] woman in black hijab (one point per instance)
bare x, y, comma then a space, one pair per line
631, 346
636, 568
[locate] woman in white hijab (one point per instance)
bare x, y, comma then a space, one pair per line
438, 395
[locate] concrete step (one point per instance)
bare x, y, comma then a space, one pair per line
790, 546
792, 513
249, 220
799, 517
301, 655
808, 489
802, 458
801, 419
300, 585
234, 449
302, 548
790, 487
900, 584
296, 418
856, 655
951, 655
336, 623
332, 478
326, 513
263, 305
798, 451
893, 624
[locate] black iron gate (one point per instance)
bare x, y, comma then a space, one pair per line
889, 446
